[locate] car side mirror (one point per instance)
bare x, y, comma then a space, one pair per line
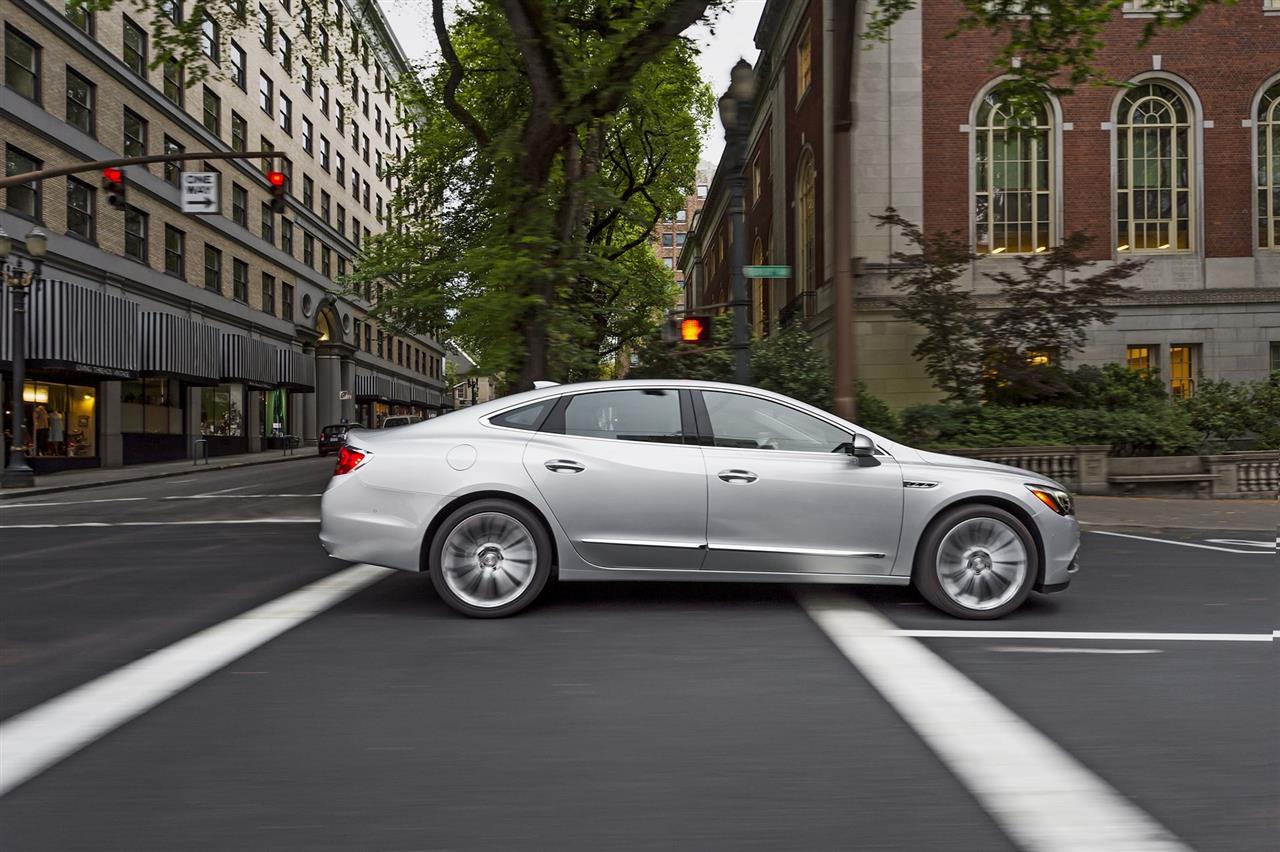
861, 446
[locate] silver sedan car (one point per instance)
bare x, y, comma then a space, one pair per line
686, 480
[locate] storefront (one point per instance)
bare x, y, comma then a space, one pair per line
373, 399
177, 354
249, 368
281, 409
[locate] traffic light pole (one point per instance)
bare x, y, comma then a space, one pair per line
98, 165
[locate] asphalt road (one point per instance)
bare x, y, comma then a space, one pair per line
610, 715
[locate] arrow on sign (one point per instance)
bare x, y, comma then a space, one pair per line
200, 202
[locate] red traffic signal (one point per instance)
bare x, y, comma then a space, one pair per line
114, 184
278, 183
695, 329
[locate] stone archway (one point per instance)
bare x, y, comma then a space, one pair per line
335, 369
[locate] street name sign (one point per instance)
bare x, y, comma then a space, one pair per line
767, 271
199, 192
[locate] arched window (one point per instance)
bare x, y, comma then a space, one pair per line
1013, 177
806, 224
1267, 126
1155, 169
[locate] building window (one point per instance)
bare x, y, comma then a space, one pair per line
804, 62
174, 88
239, 205
305, 14
285, 50
135, 134
668, 240
680, 237
265, 163
212, 268
757, 181
1184, 366
239, 74
324, 99
1013, 178
210, 39
173, 168
324, 153
682, 215
1155, 167
340, 217
324, 205
266, 94
1141, 359
286, 302
135, 48
135, 234
286, 114
81, 18
269, 293
309, 250
308, 192
308, 78
806, 224
307, 135
239, 132
240, 281
326, 263
669, 262
80, 102
266, 28
212, 115
702, 190
324, 44
1275, 353
286, 237
175, 249
80, 210
21, 64
1267, 127
268, 224
340, 169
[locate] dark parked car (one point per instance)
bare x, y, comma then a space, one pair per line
332, 438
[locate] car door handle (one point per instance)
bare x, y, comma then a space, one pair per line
737, 476
564, 466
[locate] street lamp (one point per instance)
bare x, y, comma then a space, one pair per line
18, 474
736, 109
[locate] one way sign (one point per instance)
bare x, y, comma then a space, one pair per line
199, 192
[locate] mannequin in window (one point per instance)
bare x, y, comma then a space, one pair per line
56, 437
40, 422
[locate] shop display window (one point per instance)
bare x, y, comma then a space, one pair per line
60, 420
153, 406
222, 410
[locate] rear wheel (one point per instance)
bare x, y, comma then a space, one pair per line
976, 562
490, 558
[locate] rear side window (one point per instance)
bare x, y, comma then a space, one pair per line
528, 417
651, 415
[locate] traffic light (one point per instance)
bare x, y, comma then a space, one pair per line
277, 181
695, 329
113, 183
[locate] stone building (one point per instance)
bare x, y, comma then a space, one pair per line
1181, 169
152, 328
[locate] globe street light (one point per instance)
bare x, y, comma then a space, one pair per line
18, 474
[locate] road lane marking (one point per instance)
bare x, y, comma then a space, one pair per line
1181, 543
1243, 542
224, 490
1100, 636
160, 523
1042, 797
70, 503
1049, 649
38, 738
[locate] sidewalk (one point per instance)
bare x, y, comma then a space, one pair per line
1155, 513
70, 480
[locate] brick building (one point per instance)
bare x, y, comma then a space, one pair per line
1181, 169
153, 328
671, 231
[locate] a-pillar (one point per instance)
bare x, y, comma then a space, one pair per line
194, 413
253, 420
328, 383
309, 428
348, 384
110, 441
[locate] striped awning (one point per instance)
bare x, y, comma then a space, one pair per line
429, 397
297, 370
74, 328
181, 347
373, 386
249, 360
401, 391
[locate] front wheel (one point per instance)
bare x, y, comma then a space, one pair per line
490, 558
976, 562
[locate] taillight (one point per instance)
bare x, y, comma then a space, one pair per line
348, 460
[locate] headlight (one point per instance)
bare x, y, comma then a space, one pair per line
1055, 498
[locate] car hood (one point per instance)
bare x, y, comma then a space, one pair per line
979, 466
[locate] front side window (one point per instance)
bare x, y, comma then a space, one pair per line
21, 64
135, 234
1267, 126
746, 422
80, 102
175, 250
648, 416
79, 209
1013, 178
1155, 164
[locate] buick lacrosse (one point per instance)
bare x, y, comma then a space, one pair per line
685, 480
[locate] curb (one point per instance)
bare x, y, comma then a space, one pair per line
143, 477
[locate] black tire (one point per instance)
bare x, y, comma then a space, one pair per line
925, 575
541, 542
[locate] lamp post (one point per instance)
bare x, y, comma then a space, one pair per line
18, 474
736, 106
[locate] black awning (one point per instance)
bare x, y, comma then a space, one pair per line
182, 347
